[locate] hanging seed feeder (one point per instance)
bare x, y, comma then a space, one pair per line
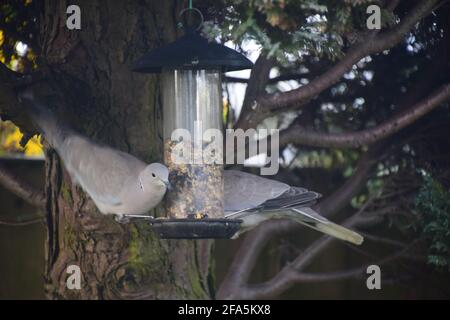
191, 69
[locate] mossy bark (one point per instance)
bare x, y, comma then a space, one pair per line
99, 95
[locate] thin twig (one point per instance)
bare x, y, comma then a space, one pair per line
21, 223
21, 188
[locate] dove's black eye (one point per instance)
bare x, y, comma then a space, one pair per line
153, 175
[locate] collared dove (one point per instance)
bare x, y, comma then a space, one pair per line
117, 182
255, 199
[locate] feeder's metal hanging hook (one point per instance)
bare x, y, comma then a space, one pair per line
191, 9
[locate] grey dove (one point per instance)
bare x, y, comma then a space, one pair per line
117, 182
255, 199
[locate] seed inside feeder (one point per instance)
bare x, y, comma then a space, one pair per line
196, 189
192, 103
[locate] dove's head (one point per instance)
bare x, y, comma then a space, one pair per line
154, 177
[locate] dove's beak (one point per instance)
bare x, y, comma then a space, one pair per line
168, 185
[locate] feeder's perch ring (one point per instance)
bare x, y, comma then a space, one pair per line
196, 228
189, 228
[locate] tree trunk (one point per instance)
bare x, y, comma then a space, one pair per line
103, 99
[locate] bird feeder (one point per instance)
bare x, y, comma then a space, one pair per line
191, 69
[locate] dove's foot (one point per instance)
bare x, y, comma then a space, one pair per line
126, 218
121, 218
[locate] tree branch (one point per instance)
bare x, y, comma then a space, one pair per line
21, 188
328, 276
301, 136
283, 77
392, 4
382, 240
372, 44
292, 275
256, 85
335, 202
247, 255
289, 274
22, 223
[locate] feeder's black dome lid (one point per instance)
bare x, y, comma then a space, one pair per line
192, 51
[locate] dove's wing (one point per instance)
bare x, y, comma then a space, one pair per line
101, 171
244, 191
294, 197
255, 199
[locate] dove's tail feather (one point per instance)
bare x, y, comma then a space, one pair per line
54, 132
312, 219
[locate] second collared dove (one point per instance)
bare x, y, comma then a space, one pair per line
255, 199
117, 182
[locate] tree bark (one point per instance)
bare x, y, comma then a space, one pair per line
104, 100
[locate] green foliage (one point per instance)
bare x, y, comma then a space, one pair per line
291, 29
432, 205
328, 159
19, 26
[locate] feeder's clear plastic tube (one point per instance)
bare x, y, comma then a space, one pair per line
192, 101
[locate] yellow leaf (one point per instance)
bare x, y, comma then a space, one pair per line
12, 140
273, 19
11, 136
34, 147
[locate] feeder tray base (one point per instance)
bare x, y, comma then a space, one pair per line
195, 228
